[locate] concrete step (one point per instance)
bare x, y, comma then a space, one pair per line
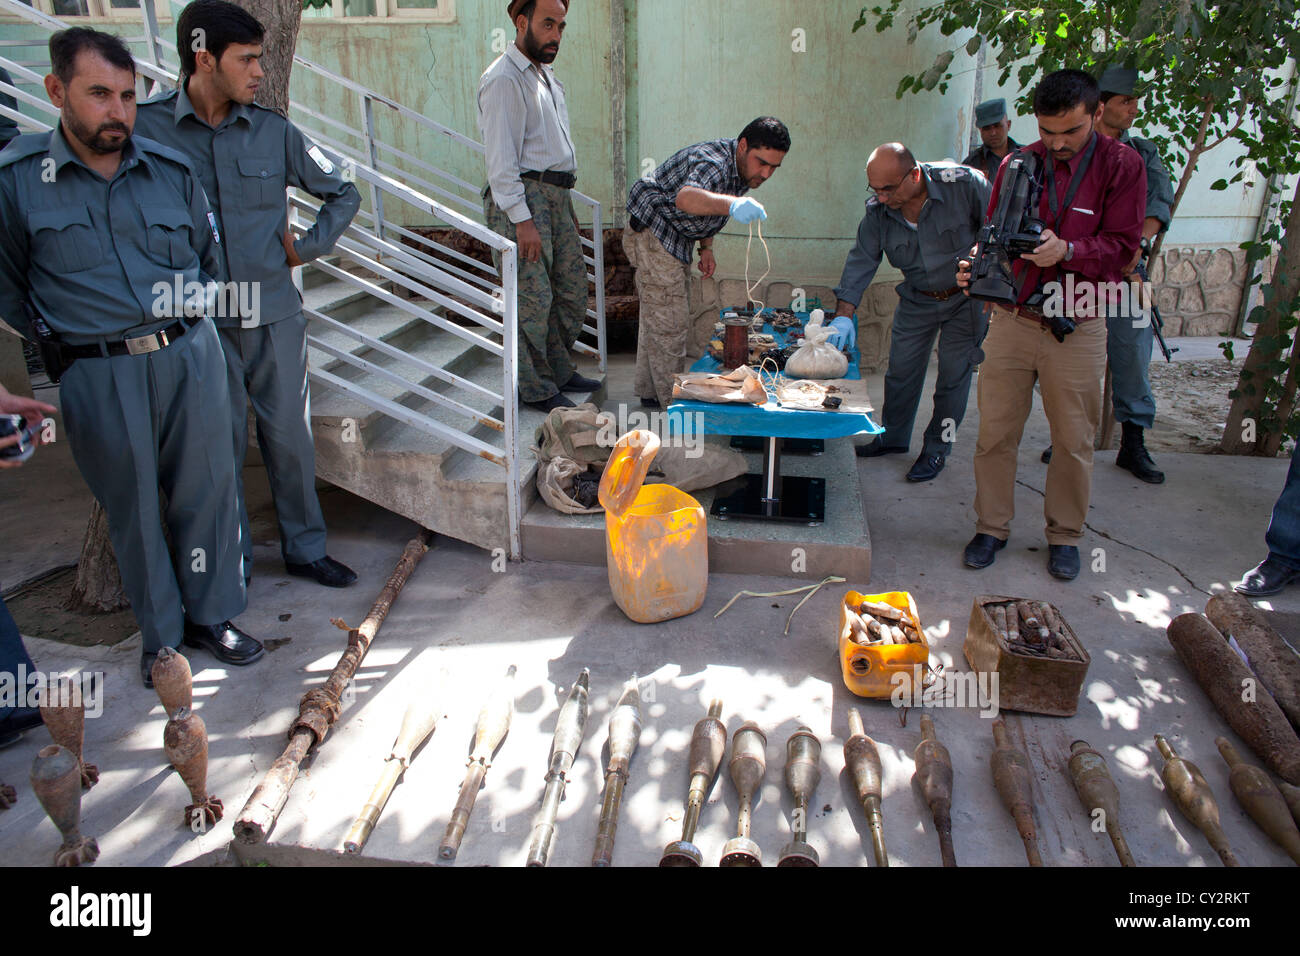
416, 338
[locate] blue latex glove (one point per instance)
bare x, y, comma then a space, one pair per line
746, 210
844, 335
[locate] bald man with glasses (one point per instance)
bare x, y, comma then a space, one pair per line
922, 217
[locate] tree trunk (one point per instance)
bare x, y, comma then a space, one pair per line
98, 588
281, 19
1266, 346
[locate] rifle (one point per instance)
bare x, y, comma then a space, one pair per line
1157, 323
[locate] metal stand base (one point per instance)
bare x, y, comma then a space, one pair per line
773, 497
802, 500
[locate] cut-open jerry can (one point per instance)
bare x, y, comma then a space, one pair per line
656, 537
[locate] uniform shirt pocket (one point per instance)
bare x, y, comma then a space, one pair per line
261, 182
64, 239
169, 235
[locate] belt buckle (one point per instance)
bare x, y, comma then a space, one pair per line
144, 344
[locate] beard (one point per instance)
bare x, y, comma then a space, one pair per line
538, 52
97, 140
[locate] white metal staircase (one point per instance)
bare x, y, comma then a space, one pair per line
411, 343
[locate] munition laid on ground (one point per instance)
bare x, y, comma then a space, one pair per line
624, 734
747, 766
1260, 798
1012, 775
934, 778
803, 754
185, 742
569, 728
863, 763
1233, 689
493, 725
708, 744
418, 723
1187, 787
1292, 796
56, 781
64, 713
1098, 793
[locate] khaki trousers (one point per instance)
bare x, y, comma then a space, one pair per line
1018, 352
663, 336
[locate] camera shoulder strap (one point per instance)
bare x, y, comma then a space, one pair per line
1053, 203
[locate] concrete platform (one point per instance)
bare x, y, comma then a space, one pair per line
841, 545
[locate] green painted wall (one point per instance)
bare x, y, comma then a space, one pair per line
697, 69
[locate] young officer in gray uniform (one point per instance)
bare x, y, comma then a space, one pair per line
1129, 342
922, 217
95, 224
245, 155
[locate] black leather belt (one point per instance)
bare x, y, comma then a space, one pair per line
135, 345
551, 178
941, 296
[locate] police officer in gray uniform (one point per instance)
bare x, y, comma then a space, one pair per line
995, 134
922, 217
1129, 341
245, 155
98, 227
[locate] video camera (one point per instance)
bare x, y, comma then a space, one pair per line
1013, 229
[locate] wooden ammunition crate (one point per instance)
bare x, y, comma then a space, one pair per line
1035, 685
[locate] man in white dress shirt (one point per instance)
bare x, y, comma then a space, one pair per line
531, 167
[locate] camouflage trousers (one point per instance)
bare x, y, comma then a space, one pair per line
552, 291
664, 327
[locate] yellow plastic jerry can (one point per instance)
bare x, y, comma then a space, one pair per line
656, 537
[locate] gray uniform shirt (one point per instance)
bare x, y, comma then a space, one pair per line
946, 229
92, 254
245, 165
524, 120
1160, 191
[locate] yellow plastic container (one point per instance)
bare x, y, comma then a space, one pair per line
877, 671
656, 537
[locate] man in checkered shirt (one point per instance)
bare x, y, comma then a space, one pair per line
687, 200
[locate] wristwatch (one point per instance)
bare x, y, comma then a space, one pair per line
1069, 251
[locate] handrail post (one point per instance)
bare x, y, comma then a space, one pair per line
510, 396
372, 153
598, 240
153, 37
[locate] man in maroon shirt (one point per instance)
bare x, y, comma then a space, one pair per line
1093, 202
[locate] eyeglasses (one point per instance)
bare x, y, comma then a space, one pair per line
884, 190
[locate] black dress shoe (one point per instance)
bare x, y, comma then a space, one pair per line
926, 468
577, 383
981, 551
1046, 456
224, 641
650, 403
555, 401
1063, 561
147, 659
1267, 577
18, 723
326, 571
874, 449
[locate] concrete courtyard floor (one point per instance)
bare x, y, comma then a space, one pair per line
1149, 554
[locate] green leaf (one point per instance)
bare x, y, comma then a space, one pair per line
912, 30
1219, 184
904, 85
973, 45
